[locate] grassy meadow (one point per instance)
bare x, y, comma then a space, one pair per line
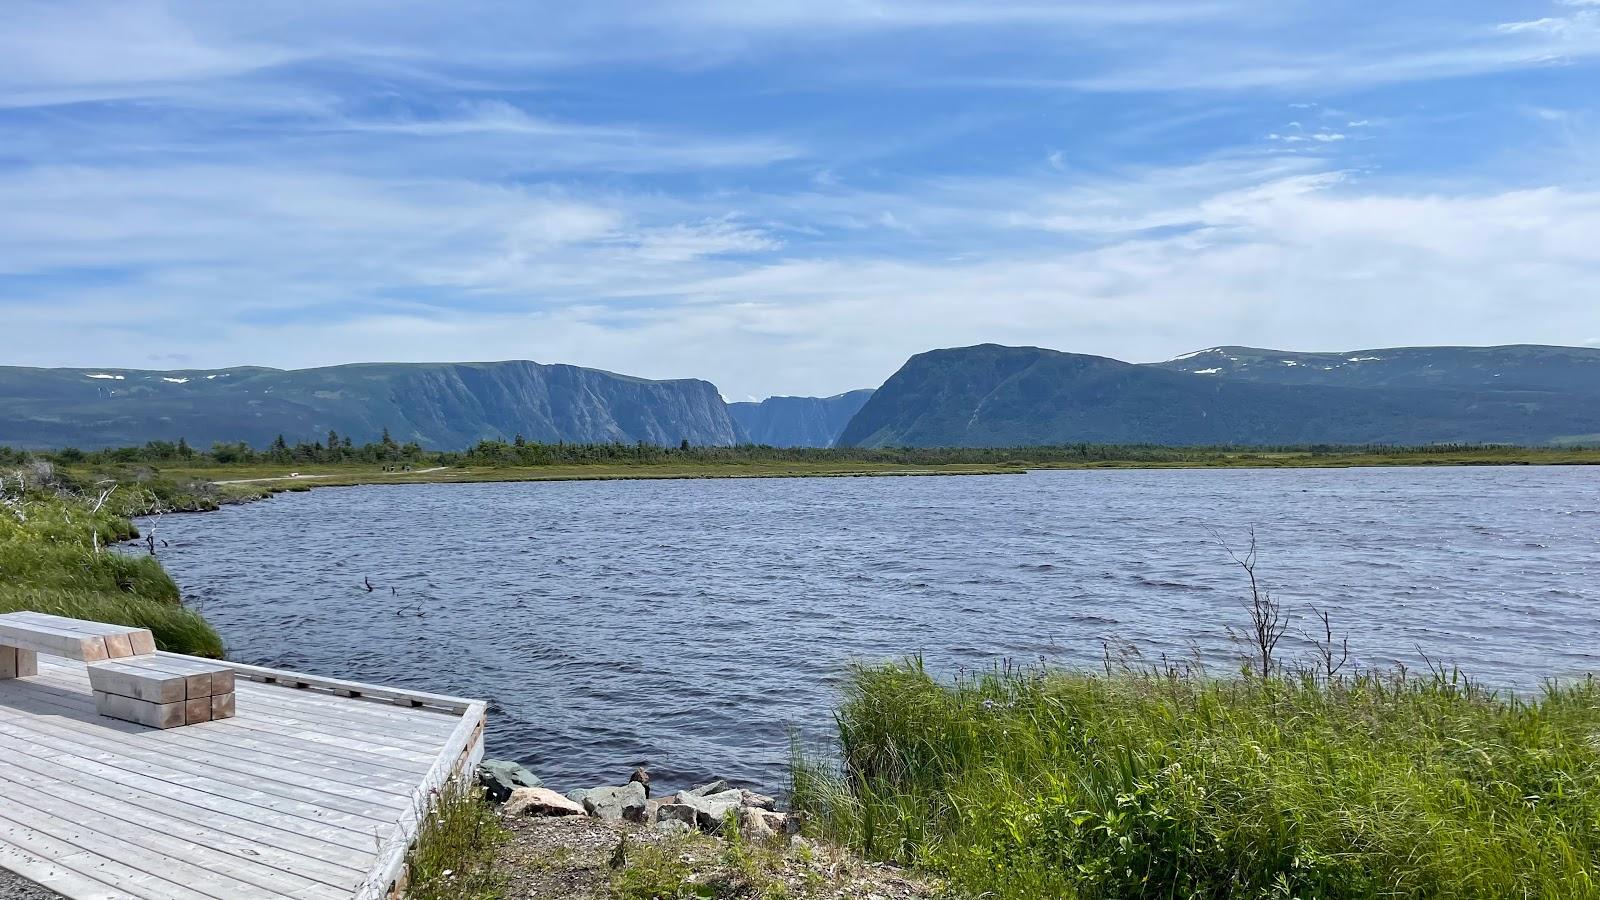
362, 473
1028, 783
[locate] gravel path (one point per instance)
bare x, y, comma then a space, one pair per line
13, 887
572, 858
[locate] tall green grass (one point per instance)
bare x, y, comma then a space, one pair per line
56, 556
454, 853
1029, 783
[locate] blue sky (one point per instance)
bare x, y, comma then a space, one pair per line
790, 197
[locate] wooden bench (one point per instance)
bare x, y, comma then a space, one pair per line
129, 681
162, 691
24, 635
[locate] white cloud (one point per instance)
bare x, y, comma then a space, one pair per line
917, 14
1580, 27
64, 52
1366, 57
487, 117
1141, 264
683, 242
1321, 137
60, 51
1549, 115
495, 130
1547, 24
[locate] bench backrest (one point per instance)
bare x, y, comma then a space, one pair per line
73, 638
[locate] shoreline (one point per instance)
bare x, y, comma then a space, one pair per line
260, 481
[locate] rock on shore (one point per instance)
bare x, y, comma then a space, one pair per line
707, 808
540, 801
583, 845
501, 777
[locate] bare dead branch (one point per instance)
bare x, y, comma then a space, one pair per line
1331, 654
1268, 621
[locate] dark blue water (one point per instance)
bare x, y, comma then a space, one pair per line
691, 624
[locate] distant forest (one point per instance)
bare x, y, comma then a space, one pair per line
338, 449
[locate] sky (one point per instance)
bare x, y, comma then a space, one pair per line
790, 196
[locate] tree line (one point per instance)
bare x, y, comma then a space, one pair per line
337, 448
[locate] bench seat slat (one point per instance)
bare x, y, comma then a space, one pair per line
73, 638
206, 677
62, 623
55, 642
140, 639
140, 684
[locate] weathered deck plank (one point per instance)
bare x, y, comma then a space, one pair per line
245, 751
331, 847
304, 793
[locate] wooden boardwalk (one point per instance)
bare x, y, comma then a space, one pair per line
311, 791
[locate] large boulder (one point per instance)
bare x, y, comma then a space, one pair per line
762, 824
617, 804
757, 801
711, 809
539, 801
674, 826
500, 777
715, 787
681, 813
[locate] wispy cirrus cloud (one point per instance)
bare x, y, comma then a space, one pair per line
1141, 264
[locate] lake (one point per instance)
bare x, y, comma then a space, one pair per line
691, 625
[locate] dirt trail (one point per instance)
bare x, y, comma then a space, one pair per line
298, 477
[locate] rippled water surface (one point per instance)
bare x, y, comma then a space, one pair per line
690, 624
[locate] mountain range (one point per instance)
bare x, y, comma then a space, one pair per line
986, 395
1013, 396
